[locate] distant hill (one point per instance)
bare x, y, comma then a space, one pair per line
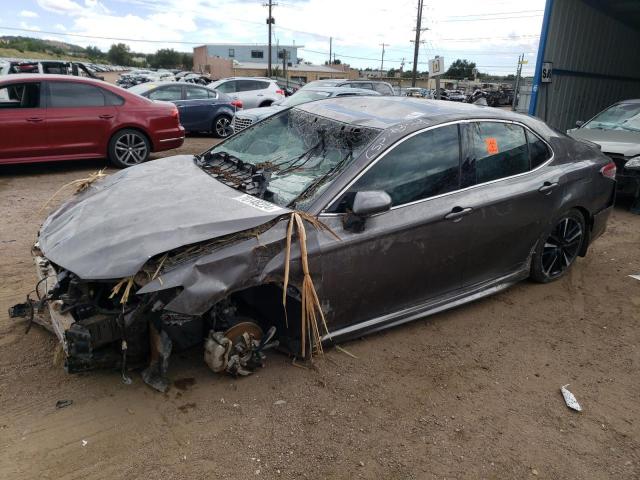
51, 47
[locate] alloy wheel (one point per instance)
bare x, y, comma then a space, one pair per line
562, 246
223, 127
131, 149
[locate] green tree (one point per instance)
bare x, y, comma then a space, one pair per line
119, 54
187, 61
460, 69
94, 53
166, 58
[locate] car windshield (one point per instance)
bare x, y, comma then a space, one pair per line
300, 153
304, 97
624, 116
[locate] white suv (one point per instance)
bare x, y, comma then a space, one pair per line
252, 91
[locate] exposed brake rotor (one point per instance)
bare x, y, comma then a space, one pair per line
236, 332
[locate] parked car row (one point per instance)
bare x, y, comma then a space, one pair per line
59, 117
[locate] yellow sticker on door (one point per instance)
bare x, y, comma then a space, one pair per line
492, 145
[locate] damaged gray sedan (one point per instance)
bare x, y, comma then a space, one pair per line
411, 207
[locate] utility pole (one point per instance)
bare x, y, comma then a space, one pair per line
514, 105
284, 65
330, 48
270, 21
417, 42
382, 63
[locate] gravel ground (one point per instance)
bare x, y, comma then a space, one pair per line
471, 393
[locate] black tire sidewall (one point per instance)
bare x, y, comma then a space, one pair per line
537, 273
112, 147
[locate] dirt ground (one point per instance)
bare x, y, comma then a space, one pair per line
471, 393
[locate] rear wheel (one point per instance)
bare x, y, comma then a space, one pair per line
128, 148
558, 248
222, 126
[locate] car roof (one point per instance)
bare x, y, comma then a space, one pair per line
339, 90
50, 76
384, 112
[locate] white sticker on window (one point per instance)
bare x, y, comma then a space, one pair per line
258, 203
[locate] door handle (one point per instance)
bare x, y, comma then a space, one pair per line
457, 213
106, 116
260, 95
547, 187
35, 119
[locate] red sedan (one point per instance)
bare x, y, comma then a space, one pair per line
57, 117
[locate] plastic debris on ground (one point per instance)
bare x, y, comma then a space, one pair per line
570, 399
637, 277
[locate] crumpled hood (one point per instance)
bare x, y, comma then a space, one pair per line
611, 141
113, 228
257, 114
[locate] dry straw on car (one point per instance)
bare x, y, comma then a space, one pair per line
81, 185
311, 308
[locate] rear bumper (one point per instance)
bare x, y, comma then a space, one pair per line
600, 222
168, 140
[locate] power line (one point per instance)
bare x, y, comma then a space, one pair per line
497, 13
489, 19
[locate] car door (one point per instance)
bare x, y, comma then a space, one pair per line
23, 125
510, 200
247, 93
408, 255
175, 94
200, 104
80, 118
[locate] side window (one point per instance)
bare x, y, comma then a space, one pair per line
261, 85
249, 85
425, 165
170, 93
227, 87
257, 54
538, 150
74, 95
194, 93
112, 99
212, 94
382, 89
20, 95
498, 150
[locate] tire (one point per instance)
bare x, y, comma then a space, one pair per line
221, 127
128, 147
559, 247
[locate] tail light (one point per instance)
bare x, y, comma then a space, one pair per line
609, 170
237, 103
175, 114
280, 91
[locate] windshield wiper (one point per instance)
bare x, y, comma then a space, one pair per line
318, 182
235, 173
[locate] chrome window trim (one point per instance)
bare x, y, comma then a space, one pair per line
323, 213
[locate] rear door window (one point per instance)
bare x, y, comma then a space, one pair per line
195, 93
171, 93
227, 87
20, 95
422, 166
75, 94
382, 89
538, 150
496, 150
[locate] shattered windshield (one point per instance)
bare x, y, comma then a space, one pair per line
625, 116
304, 96
289, 158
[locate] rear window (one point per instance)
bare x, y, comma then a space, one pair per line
498, 150
538, 150
169, 94
20, 95
75, 94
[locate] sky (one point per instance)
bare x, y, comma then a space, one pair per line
491, 33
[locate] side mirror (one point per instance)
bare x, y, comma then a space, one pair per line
579, 123
371, 202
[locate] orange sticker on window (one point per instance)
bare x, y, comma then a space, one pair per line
492, 145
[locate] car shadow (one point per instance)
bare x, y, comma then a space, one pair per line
43, 168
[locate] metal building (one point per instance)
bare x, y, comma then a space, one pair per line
588, 58
251, 52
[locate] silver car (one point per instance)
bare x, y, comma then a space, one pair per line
245, 118
617, 131
251, 91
